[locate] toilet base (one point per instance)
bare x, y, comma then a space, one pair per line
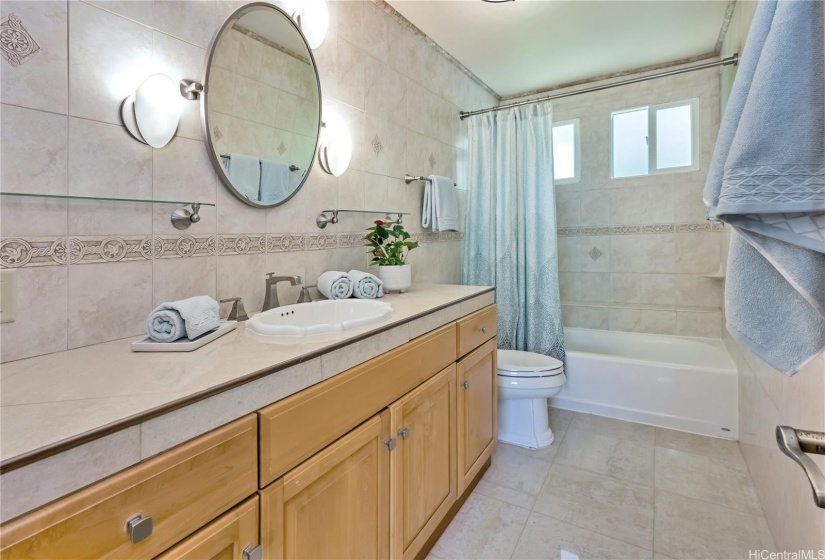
525, 423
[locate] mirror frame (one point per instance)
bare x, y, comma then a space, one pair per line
204, 102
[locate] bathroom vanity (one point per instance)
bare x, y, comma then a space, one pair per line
360, 447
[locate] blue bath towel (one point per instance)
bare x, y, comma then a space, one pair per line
245, 173
190, 317
767, 180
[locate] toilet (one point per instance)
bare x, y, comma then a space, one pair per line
525, 381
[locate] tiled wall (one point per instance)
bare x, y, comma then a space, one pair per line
633, 253
768, 399
90, 272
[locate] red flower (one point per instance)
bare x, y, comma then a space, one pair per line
379, 223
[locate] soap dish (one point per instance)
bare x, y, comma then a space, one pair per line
183, 344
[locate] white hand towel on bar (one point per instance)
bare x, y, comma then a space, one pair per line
245, 172
274, 181
440, 208
335, 284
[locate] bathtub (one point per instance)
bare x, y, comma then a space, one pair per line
687, 384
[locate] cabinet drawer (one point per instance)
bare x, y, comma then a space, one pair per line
476, 329
226, 538
181, 490
301, 425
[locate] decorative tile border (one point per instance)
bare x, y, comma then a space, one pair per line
407, 24
16, 43
16, 252
641, 229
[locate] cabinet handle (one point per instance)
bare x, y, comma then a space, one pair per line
253, 552
483, 329
389, 443
465, 384
403, 433
139, 527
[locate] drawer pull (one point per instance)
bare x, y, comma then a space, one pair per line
403, 433
139, 527
465, 384
253, 552
483, 329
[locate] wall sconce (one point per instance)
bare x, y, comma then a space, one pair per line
151, 114
312, 16
335, 145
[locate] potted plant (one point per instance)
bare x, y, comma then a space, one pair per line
389, 247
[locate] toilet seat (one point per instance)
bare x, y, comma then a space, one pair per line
516, 363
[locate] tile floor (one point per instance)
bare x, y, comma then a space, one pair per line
609, 489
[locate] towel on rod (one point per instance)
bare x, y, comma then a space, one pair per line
335, 284
767, 180
439, 211
245, 173
190, 317
275, 177
366, 285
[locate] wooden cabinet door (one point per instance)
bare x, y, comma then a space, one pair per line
336, 504
226, 538
477, 412
424, 485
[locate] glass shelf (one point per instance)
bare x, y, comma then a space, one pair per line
108, 199
384, 212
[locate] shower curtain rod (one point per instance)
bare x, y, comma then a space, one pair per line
733, 59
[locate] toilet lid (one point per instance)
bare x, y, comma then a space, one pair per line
517, 363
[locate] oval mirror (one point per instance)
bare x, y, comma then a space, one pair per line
261, 105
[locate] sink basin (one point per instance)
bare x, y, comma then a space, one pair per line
319, 317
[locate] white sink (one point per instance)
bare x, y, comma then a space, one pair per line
319, 317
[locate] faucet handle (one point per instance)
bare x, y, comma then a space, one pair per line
305, 296
238, 313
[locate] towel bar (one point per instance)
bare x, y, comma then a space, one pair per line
291, 167
410, 178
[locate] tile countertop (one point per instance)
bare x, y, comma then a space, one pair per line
51, 403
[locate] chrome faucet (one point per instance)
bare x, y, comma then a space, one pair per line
271, 297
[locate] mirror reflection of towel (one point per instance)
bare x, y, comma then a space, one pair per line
245, 173
274, 181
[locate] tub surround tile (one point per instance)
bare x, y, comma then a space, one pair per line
547, 538
615, 509
689, 528
707, 324
483, 528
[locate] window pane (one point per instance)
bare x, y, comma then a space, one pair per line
630, 154
564, 151
674, 137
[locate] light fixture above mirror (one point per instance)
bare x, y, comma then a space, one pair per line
313, 18
152, 113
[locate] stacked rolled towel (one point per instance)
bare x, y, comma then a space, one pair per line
191, 318
335, 284
365, 285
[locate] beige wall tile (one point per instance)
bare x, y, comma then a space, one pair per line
174, 279
194, 22
243, 276
108, 301
41, 324
41, 81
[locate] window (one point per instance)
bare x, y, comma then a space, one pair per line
566, 164
655, 139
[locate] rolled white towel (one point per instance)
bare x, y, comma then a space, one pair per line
191, 318
366, 285
335, 284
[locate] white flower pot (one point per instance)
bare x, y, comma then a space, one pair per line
395, 278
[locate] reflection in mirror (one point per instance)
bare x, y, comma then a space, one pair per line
261, 105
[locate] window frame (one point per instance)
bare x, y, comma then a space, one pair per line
652, 164
577, 160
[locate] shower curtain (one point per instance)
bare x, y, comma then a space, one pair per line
510, 229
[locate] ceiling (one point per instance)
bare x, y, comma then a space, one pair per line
526, 45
